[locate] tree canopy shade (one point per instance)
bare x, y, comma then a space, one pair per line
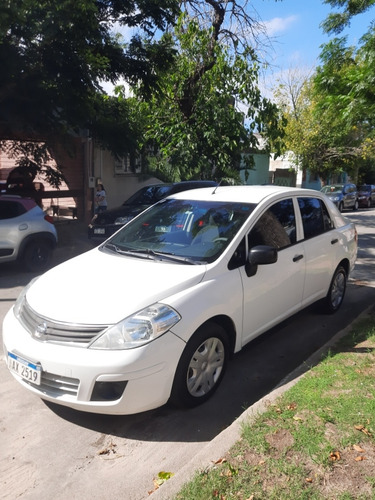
55, 53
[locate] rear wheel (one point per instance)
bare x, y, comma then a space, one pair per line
37, 255
336, 292
341, 206
201, 367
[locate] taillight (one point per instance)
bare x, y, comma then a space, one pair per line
49, 219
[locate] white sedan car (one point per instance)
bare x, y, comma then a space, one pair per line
154, 313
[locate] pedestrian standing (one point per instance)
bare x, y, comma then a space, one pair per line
100, 199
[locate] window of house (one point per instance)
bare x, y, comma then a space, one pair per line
127, 165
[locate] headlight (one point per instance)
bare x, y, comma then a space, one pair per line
123, 220
335, 198
21, 298
139, 329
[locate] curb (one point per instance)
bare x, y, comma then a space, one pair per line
220, 445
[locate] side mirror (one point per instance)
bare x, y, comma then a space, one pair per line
259, 256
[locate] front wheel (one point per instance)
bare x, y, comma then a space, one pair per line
356, 205
336, 292
37, 256
201, 367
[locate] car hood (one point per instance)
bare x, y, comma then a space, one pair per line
333, 195
109, 216
101, 288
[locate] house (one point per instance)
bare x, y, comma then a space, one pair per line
84, 165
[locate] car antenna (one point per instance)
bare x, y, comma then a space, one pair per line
214, 191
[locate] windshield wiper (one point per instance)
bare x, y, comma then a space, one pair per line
180, 258
143, 254
151, 254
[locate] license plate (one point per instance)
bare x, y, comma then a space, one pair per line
25, 369
99, 230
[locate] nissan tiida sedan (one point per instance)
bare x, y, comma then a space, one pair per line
154, 313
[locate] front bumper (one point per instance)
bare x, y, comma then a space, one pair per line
363, 201
98, 381
98, 232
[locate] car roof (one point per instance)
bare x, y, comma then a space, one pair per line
243, 194
28, 203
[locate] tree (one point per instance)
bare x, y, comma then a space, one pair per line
337, 21
56, 53
331, 117
192, 120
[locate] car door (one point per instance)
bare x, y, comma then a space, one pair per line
350, 195
275, 290
372, 195
320, 239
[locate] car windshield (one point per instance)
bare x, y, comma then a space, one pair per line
149, 195
193, 232
337, 188
364, 189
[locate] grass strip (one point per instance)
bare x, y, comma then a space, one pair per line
316, 441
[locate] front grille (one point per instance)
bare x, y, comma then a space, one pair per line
47, 330
56, 386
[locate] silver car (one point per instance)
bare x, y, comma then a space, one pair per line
27, 234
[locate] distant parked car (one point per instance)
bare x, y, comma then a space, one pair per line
366, 195
27, 234
344, 196
105, 224
155, 312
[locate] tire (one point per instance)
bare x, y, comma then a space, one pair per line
356, 205
37, 256
341, 206
201, 367
368, 203
336, 292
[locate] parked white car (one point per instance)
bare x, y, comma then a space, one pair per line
154, 313
27, 234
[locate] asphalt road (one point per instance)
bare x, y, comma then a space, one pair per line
49, 452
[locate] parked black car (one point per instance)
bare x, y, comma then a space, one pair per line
366, 195
103, 225
342, 195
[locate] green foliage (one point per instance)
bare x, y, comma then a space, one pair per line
337, 21
331, 124
56, 53
192, 121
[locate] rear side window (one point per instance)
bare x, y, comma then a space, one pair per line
276, 227
11, 209
315, 217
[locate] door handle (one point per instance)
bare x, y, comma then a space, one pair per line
297, 258
334, 241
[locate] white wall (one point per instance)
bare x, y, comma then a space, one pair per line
118, 186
